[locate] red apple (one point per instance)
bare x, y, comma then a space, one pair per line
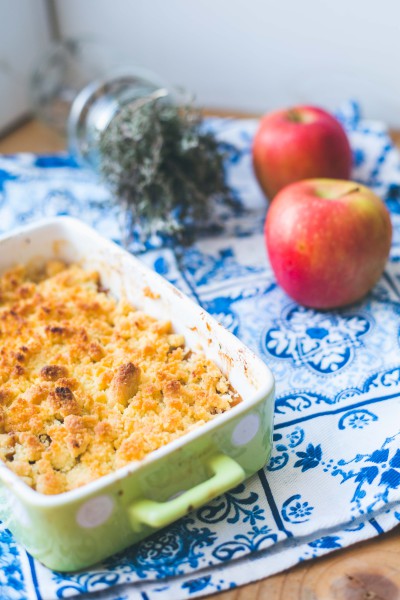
328, 241
299, 143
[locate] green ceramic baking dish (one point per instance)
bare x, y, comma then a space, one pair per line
76, 529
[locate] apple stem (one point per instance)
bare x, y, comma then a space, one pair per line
293, 116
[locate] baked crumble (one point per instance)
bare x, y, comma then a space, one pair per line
88, 383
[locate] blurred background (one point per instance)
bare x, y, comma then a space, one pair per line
245, 56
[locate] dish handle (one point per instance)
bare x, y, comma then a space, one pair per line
227, 473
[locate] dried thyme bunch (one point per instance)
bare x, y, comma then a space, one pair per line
162, 167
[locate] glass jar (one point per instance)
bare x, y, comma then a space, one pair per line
93, 111
100, 101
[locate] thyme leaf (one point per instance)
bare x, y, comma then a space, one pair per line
163, 167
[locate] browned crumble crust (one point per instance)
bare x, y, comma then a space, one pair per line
89, 384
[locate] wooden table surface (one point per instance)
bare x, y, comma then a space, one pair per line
366, 571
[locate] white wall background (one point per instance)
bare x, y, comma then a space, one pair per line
24, 35
255, 55
245, 55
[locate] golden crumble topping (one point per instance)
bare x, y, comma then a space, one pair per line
89, 384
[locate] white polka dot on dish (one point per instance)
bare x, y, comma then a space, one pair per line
95, 512
245, 430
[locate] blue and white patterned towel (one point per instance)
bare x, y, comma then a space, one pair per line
334, 476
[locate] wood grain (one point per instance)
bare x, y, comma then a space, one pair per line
366, 571
33, 136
